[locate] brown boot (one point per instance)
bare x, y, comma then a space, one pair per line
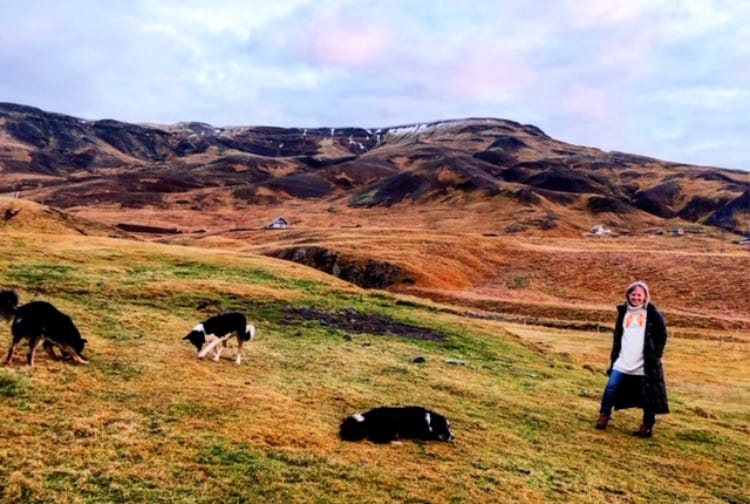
601, 424
644, 431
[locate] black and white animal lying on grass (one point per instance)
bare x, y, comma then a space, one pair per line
214, 333
39, 321
388, 423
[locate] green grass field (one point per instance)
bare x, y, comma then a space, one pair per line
146, 421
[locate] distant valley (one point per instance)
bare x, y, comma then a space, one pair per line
535, 182
487, 214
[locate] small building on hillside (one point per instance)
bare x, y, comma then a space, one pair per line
600, 230
278, 223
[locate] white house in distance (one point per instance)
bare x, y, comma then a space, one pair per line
278, 223
600, 230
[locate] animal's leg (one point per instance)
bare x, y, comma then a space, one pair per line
9, 357
11, 351
250, 333
209, 347
239, 352
220, 348
50, 350
75, 355
33, 343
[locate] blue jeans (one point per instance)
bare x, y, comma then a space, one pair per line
616, 379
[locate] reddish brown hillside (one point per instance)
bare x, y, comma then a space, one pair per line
549, 185
487, 213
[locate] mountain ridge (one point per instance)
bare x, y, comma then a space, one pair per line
488, 214
69, 162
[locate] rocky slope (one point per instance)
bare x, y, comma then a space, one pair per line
68, 162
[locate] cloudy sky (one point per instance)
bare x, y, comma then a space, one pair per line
662, 78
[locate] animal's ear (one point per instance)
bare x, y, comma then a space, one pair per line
186, 337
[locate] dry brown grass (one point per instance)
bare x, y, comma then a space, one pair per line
700, 281
460, 254
146, 422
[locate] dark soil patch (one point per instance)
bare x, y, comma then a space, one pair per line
564, 180
699, 207
391, 191
141, 228
361, 172
658, 200
507, 143
726, 216
301, 186
352, 320
601, 204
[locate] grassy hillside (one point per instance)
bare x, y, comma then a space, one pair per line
146, 421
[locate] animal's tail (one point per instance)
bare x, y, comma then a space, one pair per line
353, 428
249, 332
8, 303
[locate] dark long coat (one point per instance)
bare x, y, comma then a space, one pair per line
629, 396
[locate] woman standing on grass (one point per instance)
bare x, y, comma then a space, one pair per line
636, 376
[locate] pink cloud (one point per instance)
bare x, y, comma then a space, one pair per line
487, 75
344, 42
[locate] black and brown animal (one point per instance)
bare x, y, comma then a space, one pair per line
40, 322
390, 423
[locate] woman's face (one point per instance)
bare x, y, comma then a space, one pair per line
637, 296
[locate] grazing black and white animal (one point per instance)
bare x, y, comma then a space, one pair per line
389, 423
216, 331
39, 321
